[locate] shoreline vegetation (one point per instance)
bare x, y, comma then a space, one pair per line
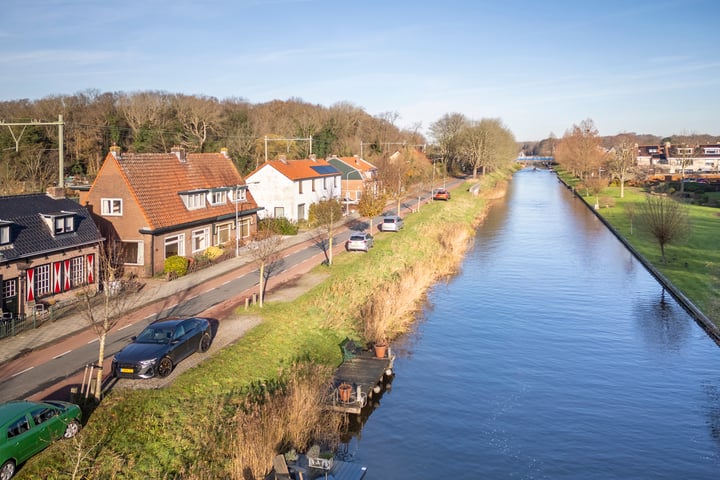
264, 395
692, 263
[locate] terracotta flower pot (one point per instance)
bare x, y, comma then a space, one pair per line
344, 391
381, 349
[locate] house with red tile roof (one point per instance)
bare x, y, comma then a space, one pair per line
163, 204
670, 158
49, 247
287, 188
356, 174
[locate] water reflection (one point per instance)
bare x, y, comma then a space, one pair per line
552, 354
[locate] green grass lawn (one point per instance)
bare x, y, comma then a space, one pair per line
692, 263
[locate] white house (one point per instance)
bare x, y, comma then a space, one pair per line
287, 188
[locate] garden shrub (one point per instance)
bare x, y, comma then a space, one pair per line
176, 265
280, 226
213, 253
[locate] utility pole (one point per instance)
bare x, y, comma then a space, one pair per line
282, 140
61, 153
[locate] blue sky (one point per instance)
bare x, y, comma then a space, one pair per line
645, 66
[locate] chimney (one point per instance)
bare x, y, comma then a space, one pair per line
357, 159
283, 159
115, 150
179, 153
312, 157
56, 193
224, 152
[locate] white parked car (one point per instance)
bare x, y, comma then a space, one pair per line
361, 241
391, 223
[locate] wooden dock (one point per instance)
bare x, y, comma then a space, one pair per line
366, 374
338, 471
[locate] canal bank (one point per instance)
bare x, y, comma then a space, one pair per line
703, 320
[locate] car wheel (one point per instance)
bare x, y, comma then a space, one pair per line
7, 470
165, 366
204, 344
72, 429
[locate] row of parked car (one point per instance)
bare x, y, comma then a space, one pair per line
363, 241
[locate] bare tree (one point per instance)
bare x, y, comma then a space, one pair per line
103, 312
665, 219
622, 160
199, 116
326, 214
487, 145
265, 250
580, 151
446, 133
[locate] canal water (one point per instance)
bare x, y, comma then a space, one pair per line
552, 354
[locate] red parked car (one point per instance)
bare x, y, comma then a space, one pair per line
441, 194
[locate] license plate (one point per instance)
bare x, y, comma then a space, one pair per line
126, 370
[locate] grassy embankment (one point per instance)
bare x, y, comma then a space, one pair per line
692, 263
191, 429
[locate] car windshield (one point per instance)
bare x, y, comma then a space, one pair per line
357, 238
155, 335
389, 220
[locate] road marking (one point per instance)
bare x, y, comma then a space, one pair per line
61, 355
227, 282
21, 372
149, 316
125, 326
93, 340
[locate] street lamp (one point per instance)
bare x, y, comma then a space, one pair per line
237, 230
347, 192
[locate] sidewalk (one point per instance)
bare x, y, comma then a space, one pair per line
154, 290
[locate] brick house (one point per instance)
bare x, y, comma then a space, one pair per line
163, 204
356, 174
287, 188
49, 248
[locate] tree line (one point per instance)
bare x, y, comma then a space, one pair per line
155, 121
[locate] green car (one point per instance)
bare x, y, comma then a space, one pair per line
28, 427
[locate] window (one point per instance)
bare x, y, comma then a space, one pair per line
4, 233
300, 191
194, 200
200, 240
244, 226
42, 280
279, 212
43, 414
324, 183
18, 427
175, 245
9, 288
111, 207
218, 197
65, 224
712, 150
684, 150
301, 212
133, 252
222, 233
77, 271
312, 182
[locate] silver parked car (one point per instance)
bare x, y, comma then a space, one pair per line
359, 241
391, 223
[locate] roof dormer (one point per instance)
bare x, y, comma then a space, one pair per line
60, 223
5, 231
